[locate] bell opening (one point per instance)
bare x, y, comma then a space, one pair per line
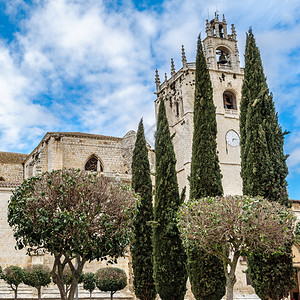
222, 58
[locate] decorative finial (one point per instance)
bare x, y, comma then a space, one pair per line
233, 31
157, 80
224, 27
183, 57
216, 15
209, 29
224, 21
172, 67
166, 77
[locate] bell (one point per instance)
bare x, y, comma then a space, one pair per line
222, 59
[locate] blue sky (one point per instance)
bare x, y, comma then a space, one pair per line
87, 65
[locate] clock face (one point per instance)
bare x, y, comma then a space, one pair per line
232, 138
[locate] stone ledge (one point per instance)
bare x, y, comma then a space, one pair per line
9, 184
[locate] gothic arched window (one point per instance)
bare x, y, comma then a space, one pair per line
229, 100
93, 164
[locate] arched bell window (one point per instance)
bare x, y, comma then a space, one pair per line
223, 56
229, 100
93, 164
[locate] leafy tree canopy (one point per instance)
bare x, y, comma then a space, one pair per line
239, 224
72, 214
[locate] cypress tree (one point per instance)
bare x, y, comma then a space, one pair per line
264, 169
141, 246
169, 257
205, 178
272, 276
205, 271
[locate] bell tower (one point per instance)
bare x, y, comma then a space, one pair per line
222, 58
220, 48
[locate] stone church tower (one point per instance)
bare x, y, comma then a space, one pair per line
222, 57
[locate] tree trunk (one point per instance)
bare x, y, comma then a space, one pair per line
57, 275
39, 293
61, 288
76, 272
72, 291
90, 295
230, 275
229, 292
63, 295
111, 295
16, 293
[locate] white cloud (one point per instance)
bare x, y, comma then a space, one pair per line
20, 119
89, 62
294, 158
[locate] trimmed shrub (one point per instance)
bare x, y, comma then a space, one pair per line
111, 280
37, 276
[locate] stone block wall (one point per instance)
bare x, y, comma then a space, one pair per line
9, 255
11, 172
11, 166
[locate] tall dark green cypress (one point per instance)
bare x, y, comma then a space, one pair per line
141, 246
168, 253
205, 178
264, 169
206, 272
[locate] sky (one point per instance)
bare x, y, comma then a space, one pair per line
89, 65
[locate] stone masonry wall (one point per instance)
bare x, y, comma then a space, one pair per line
11, 166
11, 172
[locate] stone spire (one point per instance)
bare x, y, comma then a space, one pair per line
224, 27
166, 77
209, 29
217, 31
183, 57
157, 80
224, 21
233, 31
173, 72
216, 16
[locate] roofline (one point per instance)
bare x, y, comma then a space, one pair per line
48, 135
13, 153
189, 66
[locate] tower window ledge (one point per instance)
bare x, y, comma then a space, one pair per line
224, 67
231, 113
